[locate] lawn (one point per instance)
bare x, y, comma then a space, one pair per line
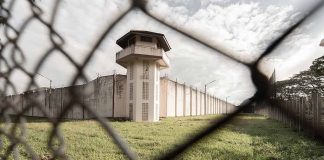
246, 137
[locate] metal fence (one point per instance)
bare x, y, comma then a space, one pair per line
55, 142
310, 109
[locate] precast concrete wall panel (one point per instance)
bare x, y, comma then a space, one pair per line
77, 110
28, 103
223, 107
198, 103
163, 97
193, 102
10, 100
89, 99
18, 103
214, 105
207, 104
66, 98
120, 97
104, 96
180, 99
187, 99
171, 99
15, 102
203, 111
39, 99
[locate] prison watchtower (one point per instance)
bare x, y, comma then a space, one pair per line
143, 55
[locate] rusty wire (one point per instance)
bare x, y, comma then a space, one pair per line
16, 132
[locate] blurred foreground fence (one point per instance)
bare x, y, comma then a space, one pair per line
308, 110
56, 145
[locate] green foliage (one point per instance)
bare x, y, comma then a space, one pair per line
246, 137
318, 66
300, 85
303, 84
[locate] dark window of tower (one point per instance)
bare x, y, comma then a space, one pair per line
146, 67
144, 111
145, 91
131, 71
159, 46
146, 39
131, 90
131, 41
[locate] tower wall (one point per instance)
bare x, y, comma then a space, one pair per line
143, 94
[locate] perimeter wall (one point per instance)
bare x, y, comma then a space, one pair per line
107, 97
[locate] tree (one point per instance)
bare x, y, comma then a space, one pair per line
303, 84
300, 85
318, 66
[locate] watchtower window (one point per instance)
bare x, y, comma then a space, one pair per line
131, 41
146, 68
131, 90
144, 111
159, 46
146, 39
131, 71
145, 91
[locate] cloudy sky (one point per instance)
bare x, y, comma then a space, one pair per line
240, 28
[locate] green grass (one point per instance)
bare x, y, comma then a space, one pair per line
246, 137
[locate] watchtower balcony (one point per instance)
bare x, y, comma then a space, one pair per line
145, 52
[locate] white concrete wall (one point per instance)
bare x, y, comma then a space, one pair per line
120, 106
171, 99
198, 103
193, 103
180, 99
185, 99
153, 80
163, 97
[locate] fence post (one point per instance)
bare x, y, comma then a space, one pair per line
294, 112
285, 114
184, 100
196, 101
313, 104
321, 112
200, 101
299, 114
318, 111
302, 111
307, 112
176, 98
190, 101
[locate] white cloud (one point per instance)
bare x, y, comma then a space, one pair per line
242, 30
298, 50
78, 22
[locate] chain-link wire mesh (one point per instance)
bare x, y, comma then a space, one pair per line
13, 127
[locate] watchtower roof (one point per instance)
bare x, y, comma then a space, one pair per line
122, 42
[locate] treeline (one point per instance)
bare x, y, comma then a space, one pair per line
303, 84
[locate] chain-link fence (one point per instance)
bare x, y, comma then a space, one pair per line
15, 133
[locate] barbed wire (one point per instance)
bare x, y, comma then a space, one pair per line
14, 128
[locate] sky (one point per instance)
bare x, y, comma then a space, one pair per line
241, 29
